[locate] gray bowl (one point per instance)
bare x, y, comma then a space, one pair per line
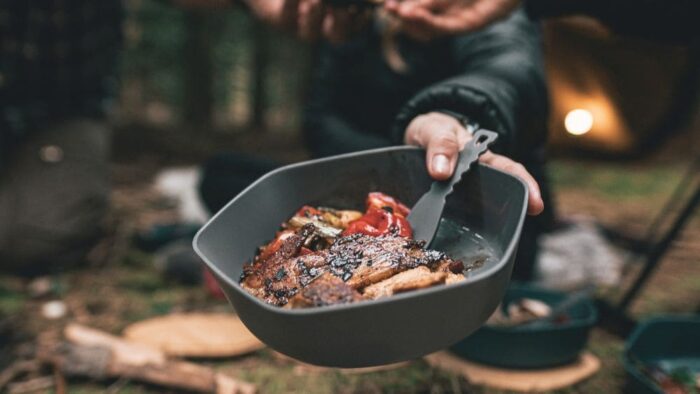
492, 204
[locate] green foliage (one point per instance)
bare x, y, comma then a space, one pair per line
155, 32
154, 57
616, 181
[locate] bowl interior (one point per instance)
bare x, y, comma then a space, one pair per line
581, 313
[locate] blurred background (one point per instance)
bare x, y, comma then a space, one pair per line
624, 127
222, 74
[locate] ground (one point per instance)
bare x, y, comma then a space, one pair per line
121, 285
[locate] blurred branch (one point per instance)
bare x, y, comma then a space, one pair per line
198, 71
260, 63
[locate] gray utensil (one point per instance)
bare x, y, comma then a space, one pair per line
561, 307
426, 213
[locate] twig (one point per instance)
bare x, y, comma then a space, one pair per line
116, 387
98, 355
60, 381
9, 373
28, 386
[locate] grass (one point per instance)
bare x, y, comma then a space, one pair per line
617, 181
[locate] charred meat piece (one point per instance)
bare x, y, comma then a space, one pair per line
327, 289
358, 260
362, 260
279, 276
454, 270
416, 278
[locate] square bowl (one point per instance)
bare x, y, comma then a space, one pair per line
490, 203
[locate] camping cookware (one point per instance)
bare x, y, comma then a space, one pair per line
536, 345
488, 205
663, 354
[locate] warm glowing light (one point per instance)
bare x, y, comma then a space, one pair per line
578, 122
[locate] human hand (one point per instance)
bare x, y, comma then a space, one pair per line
340, 23
282, 14
444, 137
428, 19
311, 19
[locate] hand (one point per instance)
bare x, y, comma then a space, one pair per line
443, 137
283, 14
341, 23
310, 19
428, 19
202, 4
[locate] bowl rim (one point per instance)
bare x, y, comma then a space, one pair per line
508, 251
588, 321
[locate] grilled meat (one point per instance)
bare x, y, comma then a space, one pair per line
324, 256
356, 261
362, 260
415, 278
326, 289
279, 275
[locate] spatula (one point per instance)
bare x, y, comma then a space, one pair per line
426, 213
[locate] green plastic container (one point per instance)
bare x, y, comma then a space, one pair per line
524, 347
669, 342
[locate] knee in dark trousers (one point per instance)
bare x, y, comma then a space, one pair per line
54, 193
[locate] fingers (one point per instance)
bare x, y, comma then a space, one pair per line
439, 22
426, 19
535, 205
287, 14
443, 137
336, 25
340, 24
310, 19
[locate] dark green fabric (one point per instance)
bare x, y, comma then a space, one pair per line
58, 59
51, 207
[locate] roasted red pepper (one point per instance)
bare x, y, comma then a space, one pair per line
307, 212
382, 201
275, 245
384, 215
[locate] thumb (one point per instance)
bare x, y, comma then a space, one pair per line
442, 150
439, 134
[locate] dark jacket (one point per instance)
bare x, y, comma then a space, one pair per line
494, 77
670, 21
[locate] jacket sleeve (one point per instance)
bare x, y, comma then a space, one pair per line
499, 83
670, 21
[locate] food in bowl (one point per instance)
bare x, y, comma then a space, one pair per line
325, 256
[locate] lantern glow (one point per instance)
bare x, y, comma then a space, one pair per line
578, 122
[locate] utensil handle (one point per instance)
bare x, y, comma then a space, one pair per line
471, 152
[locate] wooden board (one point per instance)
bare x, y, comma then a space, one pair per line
195, 335
518, 380
302, 368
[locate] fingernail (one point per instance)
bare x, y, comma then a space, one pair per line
441, 164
